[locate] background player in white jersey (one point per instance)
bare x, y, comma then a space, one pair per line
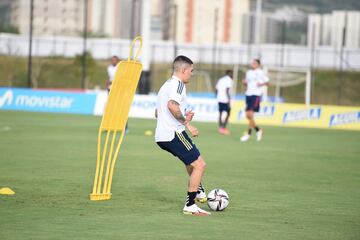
111, 70
254, 81
223, 94
172, 119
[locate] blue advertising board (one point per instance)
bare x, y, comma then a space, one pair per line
19, 99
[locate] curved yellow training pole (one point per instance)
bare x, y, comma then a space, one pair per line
112, 128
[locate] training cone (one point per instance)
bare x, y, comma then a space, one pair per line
6, 191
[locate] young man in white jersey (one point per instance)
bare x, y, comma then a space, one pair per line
172, 120
223, 95
254, 81
111, 70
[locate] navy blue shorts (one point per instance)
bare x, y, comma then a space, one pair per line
224, 107
182, 147
253, 103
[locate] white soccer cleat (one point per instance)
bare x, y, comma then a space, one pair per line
201, 197
245, 138
259, 135
195, 210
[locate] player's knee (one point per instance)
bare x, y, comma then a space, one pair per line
202, 165
249, 115
199, 164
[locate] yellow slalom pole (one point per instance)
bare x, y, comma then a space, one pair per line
109, 163
114, 120
103, 162
113, 162
97, 162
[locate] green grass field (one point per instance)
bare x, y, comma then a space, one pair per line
295, 184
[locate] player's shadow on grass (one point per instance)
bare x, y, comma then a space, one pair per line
154, 196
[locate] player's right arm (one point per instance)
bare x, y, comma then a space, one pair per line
108, 81
216, 89
245, 81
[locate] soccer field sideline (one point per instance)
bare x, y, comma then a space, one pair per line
296, 184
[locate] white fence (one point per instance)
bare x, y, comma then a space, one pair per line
161, 51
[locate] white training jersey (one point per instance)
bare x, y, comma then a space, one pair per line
111, 70
221, 86
167, 125
254, 77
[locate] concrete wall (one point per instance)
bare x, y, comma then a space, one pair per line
103, 48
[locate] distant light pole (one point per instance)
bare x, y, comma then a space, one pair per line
145, 84
258, 26
215, 39
282, 53
283, 38
29, 83
83, 76
132, 19
341, 71
312, 60
250, 39
175, 29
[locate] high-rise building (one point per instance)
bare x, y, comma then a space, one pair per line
204, 21
270, 28
335, 29
115, 18
112, 18
66, 17
5, 10
188, 21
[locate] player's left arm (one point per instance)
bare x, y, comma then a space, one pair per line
174, 108
264, 80
228, 94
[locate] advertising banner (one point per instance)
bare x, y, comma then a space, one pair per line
300, 115
144, 106
46, 101
206, 109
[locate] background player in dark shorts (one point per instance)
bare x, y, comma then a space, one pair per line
252, 103
223, 90
254, 81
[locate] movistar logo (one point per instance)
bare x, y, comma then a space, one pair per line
11, 99
7, 98
344, 118
301, 115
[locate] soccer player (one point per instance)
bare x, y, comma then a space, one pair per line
111, 70
170, 135
254, 81
223, 95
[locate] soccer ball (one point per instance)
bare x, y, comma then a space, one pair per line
217, 199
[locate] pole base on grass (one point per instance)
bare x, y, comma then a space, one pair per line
100, 197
